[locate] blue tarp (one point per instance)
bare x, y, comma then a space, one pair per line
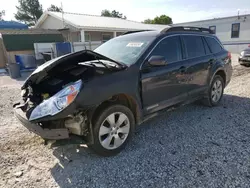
63, 48
12, 25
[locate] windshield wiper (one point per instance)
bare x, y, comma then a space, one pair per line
101, 62
100, 56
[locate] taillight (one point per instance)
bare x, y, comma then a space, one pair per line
248, 45
229, 55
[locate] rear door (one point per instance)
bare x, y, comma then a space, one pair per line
199, 60
163, 86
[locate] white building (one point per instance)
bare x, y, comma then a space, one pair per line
90, 28
234, 32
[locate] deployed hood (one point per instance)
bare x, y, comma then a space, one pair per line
85, 55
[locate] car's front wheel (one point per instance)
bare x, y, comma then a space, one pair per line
112, 129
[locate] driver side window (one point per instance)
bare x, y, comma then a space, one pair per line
170, 48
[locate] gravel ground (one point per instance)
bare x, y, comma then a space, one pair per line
194, 146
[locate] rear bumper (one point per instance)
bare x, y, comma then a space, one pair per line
49, 134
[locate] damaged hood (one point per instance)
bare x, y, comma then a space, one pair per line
42, 70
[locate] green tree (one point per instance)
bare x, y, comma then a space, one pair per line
106, 13
54, 8
163, 19
29, 11
113, 13
2, 13
148, 21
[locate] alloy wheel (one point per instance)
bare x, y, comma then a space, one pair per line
114, 130
217, 90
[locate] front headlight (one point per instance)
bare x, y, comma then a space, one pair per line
57, 102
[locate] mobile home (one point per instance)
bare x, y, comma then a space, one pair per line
234, 31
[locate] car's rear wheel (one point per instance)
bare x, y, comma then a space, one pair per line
112, 130
215, 91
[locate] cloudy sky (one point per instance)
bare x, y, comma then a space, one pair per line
139, 10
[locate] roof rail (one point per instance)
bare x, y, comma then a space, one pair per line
187, 28
129, 32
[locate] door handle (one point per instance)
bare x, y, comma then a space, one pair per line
182, 69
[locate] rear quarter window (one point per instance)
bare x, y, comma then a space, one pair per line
213, 44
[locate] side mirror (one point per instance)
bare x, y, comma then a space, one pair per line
157, 61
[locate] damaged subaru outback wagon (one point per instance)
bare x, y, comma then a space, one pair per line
101, 95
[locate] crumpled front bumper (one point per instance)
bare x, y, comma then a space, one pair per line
49, 134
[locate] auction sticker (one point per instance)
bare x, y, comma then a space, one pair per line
135, 44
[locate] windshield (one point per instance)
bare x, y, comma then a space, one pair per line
125, 49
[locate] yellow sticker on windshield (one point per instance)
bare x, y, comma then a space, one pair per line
135, 44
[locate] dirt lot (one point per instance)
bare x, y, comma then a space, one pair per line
194, 146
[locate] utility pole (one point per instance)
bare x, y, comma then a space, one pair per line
62, 15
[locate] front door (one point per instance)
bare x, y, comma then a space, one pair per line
164, 86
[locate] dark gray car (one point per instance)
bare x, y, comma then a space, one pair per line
244, 58
102, 95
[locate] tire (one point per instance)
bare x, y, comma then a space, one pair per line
209, 98
110, 138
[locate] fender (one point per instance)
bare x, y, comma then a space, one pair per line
218, 66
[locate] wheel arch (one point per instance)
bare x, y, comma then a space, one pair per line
221, 72
123, 99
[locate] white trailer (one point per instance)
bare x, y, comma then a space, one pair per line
234, 31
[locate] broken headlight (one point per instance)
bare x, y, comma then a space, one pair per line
57, 102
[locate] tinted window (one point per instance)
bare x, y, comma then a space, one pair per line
207, 50
194, 46
170, 48
235, 30
213, 44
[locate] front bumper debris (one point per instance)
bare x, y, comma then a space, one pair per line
49, 134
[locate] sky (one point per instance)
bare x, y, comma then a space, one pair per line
139, 10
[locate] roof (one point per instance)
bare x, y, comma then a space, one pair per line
213, 19
12, 25
171, 30
84, 21
27, 31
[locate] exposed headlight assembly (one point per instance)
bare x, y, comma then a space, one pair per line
57, 102
242, 53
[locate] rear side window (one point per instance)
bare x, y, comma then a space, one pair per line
213, 44
194, 46
170, 48
207, 50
